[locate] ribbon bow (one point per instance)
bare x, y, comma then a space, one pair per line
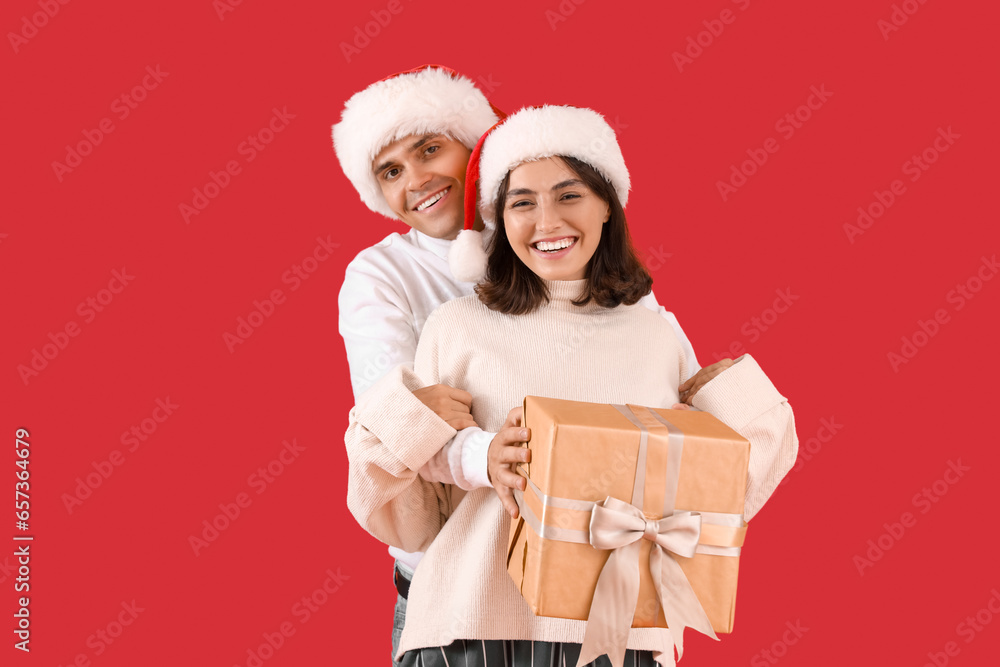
618, 526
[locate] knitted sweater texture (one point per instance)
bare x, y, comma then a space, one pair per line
623, 355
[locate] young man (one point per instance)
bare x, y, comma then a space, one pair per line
404, 143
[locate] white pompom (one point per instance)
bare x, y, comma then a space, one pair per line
467, 258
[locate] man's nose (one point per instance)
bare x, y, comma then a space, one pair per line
417, 178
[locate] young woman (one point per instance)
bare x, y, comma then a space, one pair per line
556, 315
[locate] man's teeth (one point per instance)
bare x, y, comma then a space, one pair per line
433, 200
552, 246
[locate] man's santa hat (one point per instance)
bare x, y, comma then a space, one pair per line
427, 99
530, 134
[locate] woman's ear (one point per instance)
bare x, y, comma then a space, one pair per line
607, 215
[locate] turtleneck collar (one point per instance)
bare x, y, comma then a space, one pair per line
562, 294
437, 246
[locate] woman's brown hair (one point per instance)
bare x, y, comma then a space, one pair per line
615, 275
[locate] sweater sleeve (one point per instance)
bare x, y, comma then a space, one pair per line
743, 398
376, 323
690, 360
462, 461
390, 437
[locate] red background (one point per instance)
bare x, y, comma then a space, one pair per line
680, 131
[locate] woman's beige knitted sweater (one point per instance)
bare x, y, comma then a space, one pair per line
461, 590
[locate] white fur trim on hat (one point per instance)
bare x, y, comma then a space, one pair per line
540, 132
430, 100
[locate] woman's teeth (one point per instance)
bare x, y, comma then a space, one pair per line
552, 246
433, 200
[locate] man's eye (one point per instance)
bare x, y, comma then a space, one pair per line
431, 149
390, 174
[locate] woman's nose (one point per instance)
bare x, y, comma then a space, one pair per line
547, 219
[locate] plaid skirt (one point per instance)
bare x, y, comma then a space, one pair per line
489, 653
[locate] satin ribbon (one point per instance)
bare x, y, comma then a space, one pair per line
620, 527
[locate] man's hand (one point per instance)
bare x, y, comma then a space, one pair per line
450, 404
693, 384
504, 453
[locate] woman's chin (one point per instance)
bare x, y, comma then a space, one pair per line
559, 276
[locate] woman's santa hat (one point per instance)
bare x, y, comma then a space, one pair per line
427, 99
530, 134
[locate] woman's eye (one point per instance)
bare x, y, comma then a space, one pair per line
431, 149
520, 204
570, 195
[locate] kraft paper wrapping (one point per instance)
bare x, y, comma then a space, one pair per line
582, 453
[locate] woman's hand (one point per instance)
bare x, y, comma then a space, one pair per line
450, 404
693, 384
504, 451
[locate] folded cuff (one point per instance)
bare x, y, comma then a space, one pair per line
407, 427
475, 462
739, 394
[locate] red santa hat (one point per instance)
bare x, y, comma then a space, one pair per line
431, 98
530, 134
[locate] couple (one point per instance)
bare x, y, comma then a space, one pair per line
433, 435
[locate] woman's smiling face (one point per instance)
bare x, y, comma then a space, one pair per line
552, 219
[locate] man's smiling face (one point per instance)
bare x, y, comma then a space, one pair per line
422, 177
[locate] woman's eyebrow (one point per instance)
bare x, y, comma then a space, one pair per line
517, 192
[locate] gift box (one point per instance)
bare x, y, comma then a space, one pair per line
673, 484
